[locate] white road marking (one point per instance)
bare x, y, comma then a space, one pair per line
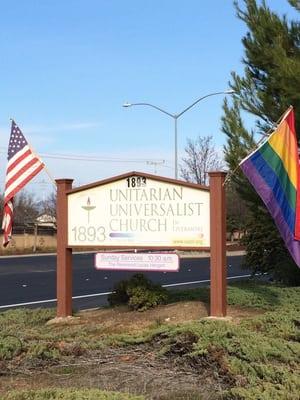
53, 300
204, 281
107, 293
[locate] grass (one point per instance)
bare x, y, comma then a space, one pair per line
253, 358
253, 294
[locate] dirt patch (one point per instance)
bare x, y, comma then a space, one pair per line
121, 320
134, 369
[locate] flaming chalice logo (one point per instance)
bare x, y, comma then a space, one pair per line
88, 207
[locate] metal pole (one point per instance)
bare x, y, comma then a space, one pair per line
175, 157
176, 116
35, 236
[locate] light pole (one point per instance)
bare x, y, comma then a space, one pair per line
176, 116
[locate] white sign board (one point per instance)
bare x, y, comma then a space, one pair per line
139, 211
168, 262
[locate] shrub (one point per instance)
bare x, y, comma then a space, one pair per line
21, 318
119, 294
10, 346
139, 293
44, 351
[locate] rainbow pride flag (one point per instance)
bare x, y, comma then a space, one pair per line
273, 171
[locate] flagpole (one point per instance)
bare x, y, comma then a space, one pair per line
45, 168
264, 138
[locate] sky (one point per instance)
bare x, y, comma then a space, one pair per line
67, 67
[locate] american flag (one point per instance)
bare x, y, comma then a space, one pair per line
22, 166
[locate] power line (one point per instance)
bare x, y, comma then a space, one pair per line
156, 164
73, 157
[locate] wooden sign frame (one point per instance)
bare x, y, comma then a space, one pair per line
218, 302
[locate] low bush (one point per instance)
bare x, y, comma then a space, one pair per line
10, 346
44, 351
13, 321
139, 293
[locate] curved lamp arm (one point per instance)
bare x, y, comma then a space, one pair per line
149, 105
201, 98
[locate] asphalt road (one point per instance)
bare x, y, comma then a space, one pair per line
32, 279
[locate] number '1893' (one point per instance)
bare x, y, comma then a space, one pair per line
90, 233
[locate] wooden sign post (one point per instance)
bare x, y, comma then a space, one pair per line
186, 207
64, 254
218, 286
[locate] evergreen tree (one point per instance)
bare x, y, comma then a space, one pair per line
295, 3
270, 83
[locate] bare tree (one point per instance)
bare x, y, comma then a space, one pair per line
48, 206
201, 157
25, 208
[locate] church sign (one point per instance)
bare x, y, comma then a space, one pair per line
139, 211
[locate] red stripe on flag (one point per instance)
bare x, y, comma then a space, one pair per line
20, 172
23, 183
291, 123
8, 221
297, 218
11, 166
290, 119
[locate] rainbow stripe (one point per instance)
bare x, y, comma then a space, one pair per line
273, 171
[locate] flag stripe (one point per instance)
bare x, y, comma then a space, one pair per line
17, 155
31, 158
7, 222
18, 158
22, 181
291, 123
286, 149
266, 194
297, 220
25, 170
258, 164
277, 166
290, 120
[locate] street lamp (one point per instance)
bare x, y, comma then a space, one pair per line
176, 116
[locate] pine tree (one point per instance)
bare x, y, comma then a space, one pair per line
270, 83
295, 3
